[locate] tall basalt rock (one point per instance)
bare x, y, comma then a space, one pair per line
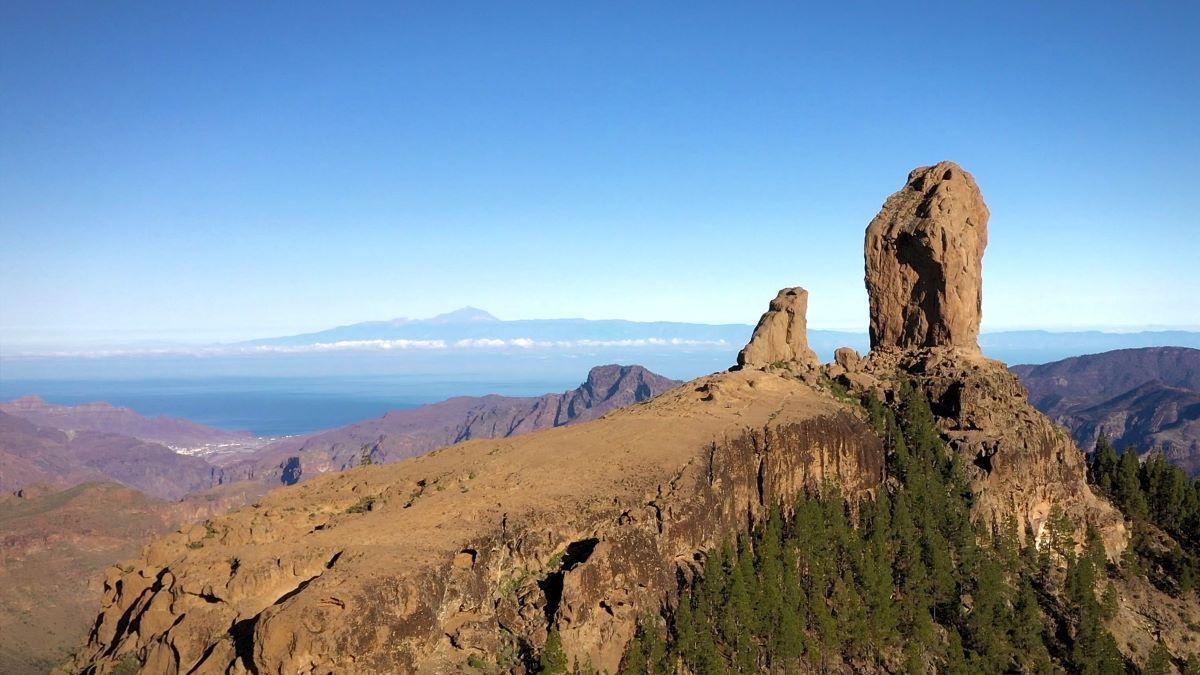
924, 262
924, 255
781, 334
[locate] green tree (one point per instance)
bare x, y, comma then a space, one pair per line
553, 660
1159, 661
1102, 464
1127, 485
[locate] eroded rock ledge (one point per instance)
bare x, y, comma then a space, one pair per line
479, 549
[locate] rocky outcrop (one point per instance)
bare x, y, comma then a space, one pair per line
54, 548
1021, 465
781, 335
924, 254
473, 553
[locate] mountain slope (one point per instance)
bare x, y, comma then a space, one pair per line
406, 433
486, 554
468, 551
54, 548
104, 417
1087, 380
1146, 398
30, 453
1151, 416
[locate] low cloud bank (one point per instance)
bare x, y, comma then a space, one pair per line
382, 346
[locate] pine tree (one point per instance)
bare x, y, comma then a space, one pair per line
1026, 633
685, 630
1102, 465
1159, 661
1127, 485
553, 660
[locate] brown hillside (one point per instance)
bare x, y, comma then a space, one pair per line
469, 551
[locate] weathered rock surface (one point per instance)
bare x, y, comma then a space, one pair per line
924, 254
781, 334
477, 550
847, 358
54, 548
1020, 464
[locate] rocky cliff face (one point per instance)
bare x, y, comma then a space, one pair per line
924, 254
478, 550
54, 548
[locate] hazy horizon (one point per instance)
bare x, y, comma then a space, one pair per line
127, 339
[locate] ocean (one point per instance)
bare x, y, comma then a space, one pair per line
275, 406
281, 395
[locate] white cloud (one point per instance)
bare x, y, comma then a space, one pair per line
523, 343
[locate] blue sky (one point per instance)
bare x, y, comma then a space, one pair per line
236, 170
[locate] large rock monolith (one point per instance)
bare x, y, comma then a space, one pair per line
924, 262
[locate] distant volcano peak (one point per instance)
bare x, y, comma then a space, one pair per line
466, 314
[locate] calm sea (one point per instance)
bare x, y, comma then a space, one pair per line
274, 406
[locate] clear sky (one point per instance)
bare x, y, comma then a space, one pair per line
213, 171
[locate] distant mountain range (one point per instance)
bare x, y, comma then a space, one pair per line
32, 454
177, 433
61, 446
470, 327
1145, 398
401, 434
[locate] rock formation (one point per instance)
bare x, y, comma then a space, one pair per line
781, 334
55, 546
924, 254
475, 553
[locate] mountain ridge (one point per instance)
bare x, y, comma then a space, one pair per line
400, 434
485, 554
1145, 398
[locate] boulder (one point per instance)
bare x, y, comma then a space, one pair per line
847, 358
781, 335
924, 254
